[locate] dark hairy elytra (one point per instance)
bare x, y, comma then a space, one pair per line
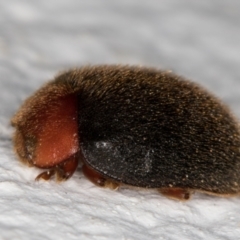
131, 125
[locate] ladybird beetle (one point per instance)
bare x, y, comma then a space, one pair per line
134, 126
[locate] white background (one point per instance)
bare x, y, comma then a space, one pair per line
197, 39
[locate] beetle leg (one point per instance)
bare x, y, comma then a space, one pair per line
176, 193
62, 171
98, 179
46, 175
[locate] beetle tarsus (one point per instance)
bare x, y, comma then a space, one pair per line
98, 179
176, 193
46, 175
62, 171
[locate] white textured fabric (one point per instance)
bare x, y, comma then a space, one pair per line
197, 39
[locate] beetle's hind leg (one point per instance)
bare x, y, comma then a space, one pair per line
62, 171
98, 179
176, 193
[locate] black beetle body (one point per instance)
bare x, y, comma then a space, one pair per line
140, 127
